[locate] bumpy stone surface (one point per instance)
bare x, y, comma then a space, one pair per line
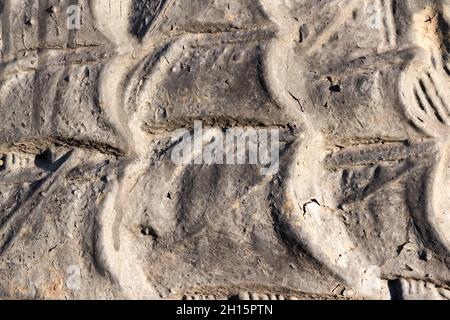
91, 205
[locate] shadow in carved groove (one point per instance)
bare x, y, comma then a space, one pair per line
144, 14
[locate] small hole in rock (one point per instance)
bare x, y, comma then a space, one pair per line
303, 33
149, 231
336, 88
44, 160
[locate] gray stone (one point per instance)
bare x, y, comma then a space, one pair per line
92, 204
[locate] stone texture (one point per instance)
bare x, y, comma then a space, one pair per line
92, 206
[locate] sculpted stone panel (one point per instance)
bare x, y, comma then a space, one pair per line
347, 102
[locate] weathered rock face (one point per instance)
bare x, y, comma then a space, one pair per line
93, 205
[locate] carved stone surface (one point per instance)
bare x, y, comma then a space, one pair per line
93, 206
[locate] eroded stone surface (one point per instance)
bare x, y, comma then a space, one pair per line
92, 205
